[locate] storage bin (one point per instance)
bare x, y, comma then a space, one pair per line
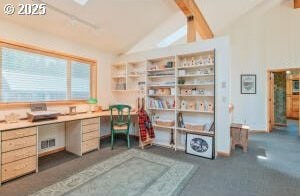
167, 123
195, 127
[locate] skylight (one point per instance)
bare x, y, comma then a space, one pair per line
81, 2
180, 33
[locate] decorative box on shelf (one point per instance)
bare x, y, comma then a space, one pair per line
195, 127
167, 123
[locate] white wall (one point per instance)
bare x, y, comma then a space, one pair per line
14, 32
264, 39
222, 79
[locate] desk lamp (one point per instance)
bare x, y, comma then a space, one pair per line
91, 102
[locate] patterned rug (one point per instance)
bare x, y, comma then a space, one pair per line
133, 172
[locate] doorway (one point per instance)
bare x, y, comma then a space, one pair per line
283, 101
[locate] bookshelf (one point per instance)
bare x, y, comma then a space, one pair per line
185, 85
129, 77
176, 85
161, 98
195, 95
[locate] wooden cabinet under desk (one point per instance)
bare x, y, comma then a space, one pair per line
83, 136
18, 152
90, 134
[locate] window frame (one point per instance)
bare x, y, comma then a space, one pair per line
56, 54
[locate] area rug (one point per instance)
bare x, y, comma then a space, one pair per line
131, 173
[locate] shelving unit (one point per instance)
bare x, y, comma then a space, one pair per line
129, 77
161, 99
196, 94
118, 75
191, 80
173, 85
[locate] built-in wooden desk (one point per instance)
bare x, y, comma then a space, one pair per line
19, 141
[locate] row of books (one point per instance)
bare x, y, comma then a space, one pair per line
161, 104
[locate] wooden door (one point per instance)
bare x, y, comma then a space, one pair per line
271, 118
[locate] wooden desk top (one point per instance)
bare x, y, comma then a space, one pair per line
239, 126
24, 123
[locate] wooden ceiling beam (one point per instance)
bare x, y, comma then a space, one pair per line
190, 8
191, 31
296, 4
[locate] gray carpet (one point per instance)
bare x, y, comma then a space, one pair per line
270, 168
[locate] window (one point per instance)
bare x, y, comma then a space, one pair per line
80, 81
178, 34
28, 76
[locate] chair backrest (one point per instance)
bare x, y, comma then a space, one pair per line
119, 113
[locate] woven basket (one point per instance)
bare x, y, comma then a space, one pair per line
167, 123
194, 127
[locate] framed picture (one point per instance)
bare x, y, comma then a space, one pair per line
199, 145
248, 84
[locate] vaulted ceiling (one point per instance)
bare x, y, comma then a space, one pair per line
118, 25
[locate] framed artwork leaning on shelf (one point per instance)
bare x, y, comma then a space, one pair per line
199, 145
248, 84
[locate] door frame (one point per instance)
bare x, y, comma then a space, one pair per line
270, 97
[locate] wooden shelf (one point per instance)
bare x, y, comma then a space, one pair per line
160, 86
118, 77
161, 95
136, 76
196, 111
191, 76
156, 70
208, 84
197, 66
119, 65
195, 95
128, 90
164, 127
161, 109
162, 76
194, 131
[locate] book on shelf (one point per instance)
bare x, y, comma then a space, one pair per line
160, 104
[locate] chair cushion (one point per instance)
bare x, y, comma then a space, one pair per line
120, 127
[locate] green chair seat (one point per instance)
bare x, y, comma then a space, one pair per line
120, 122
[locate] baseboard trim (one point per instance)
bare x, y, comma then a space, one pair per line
223, 154
281, 124
52, 151
258, 131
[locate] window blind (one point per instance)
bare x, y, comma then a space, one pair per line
29, 77
80, 81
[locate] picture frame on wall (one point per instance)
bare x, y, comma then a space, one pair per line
199, 145
248, 84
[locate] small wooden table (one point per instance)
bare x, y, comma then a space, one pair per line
239, 136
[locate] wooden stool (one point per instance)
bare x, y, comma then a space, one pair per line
239, 136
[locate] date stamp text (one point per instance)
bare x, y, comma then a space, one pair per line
25, 9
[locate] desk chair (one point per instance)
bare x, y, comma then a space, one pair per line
119, 122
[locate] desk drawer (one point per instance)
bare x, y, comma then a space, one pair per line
19, 143
90, 121
90, 135
90, 145
15, 155
18, 168
90, 128
8, 135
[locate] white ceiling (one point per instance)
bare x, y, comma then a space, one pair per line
120, 24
